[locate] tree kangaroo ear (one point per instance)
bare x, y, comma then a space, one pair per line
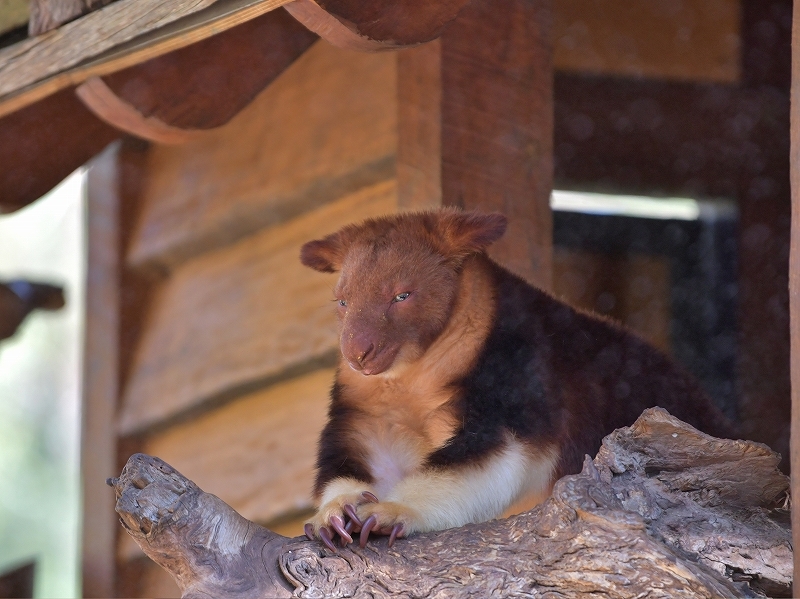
324, 255
467, 233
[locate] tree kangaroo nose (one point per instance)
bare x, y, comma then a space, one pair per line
367, 353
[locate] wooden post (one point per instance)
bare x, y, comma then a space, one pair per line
475, 125
101, 373
794, 288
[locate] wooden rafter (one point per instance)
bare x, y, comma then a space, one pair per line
166, 100
170, 98
120, 35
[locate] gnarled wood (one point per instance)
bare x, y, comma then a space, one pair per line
664, 510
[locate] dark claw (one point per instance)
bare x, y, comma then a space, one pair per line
369, 497
309, 530
397, 529
338, 525
326, 537
351, 511
369, 524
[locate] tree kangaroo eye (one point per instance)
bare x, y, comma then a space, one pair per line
401, 296
342, 303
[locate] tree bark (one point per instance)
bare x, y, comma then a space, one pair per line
663, 510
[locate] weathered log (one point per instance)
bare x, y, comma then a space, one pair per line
663, 510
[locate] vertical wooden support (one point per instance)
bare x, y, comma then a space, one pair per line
763, 189
101, 377
794, 290
475, 125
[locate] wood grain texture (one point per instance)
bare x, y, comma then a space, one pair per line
146, 39
101, 372
662, 511
204, 85
378, 24
233, 320
794, 287
259, 452
495, 125
34, 59
325, 127
49, 14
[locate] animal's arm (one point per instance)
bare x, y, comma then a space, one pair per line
343, 482
440, 498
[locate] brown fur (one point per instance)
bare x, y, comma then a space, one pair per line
460, 386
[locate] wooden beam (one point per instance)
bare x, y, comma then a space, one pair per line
26, 62
794, 290
107, 106
49, 14
101, 373
377, 25
120, 35
765, 46
41, 144
475, 125
765, 212
201, 86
